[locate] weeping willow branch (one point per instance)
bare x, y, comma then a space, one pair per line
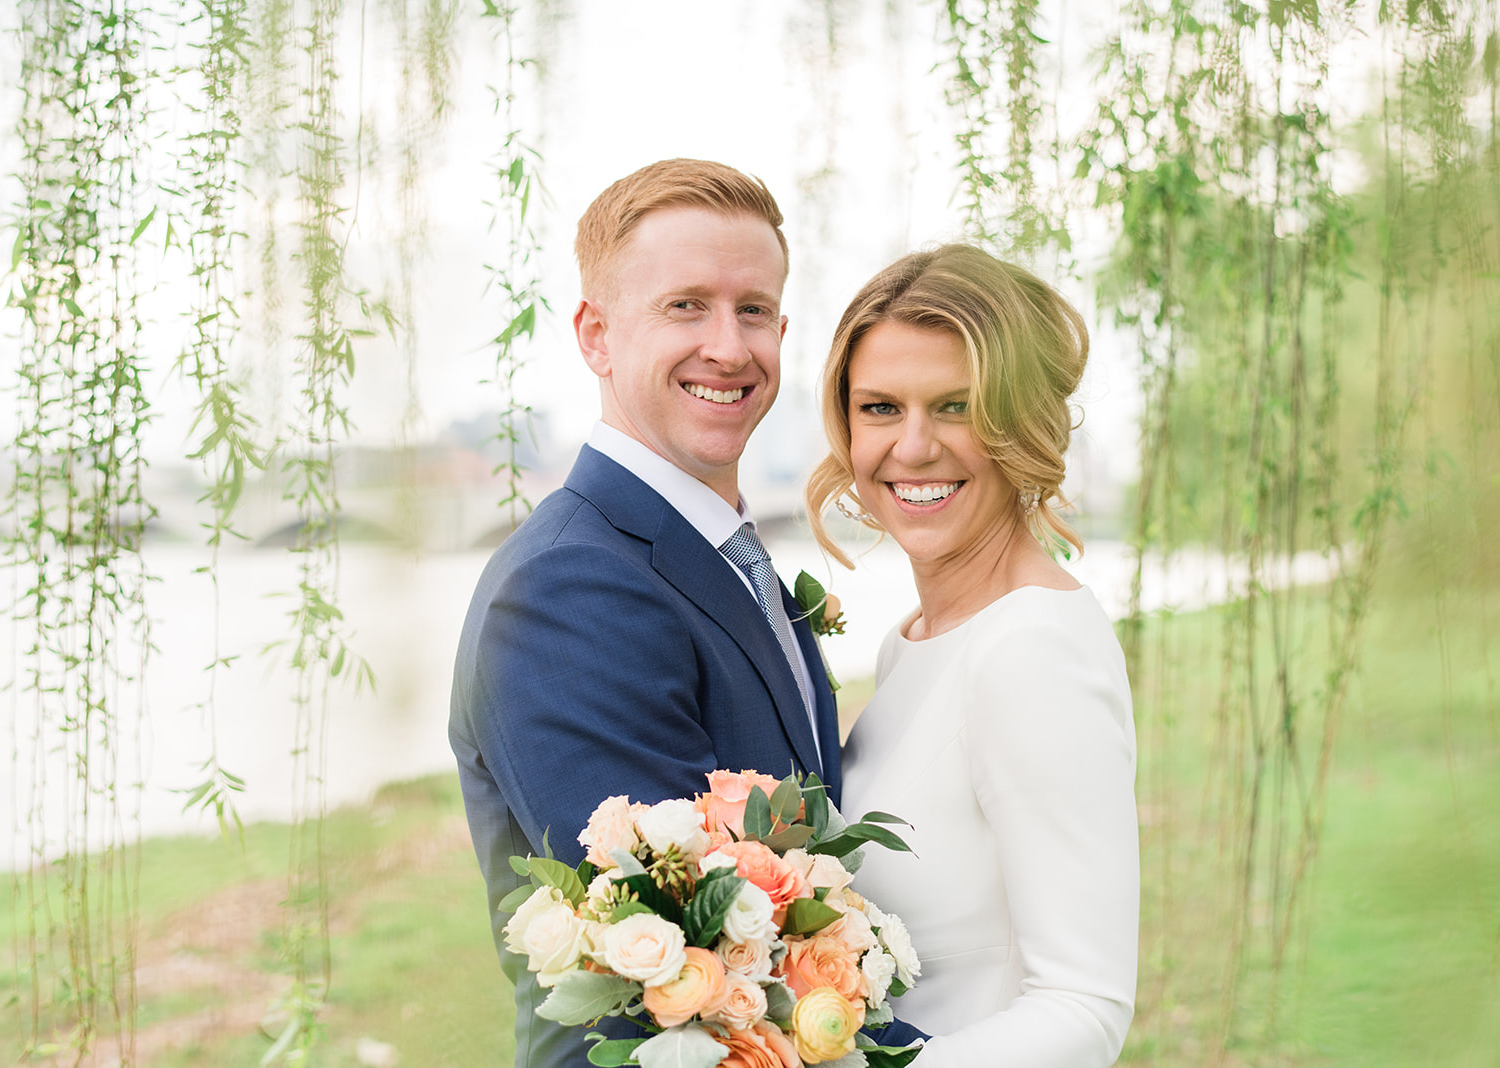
516, 276
79, 511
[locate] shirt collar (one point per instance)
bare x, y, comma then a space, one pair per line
707, 512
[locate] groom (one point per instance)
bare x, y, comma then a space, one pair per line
617, 642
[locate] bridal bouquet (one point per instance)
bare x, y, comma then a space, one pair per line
726, 923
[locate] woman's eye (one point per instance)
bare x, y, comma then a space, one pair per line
957, 407
878, 408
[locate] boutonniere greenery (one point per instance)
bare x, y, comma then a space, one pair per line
821, 610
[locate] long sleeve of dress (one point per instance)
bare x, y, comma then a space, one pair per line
1052, 756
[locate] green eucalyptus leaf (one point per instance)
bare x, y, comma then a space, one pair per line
551, 872
516, 898
786, 801
757, 814
807, 915
629, 908
815, 802
521, 866
793, 837
612, 1052
703, 918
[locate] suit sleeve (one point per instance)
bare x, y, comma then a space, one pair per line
1053, 759
585, 682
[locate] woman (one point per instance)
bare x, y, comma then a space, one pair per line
1001, 726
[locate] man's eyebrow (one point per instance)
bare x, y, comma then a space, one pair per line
757, 296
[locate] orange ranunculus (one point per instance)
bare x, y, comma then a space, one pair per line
758, 863
823, 961
724, 805
700, 983
824, 1024
761, 1046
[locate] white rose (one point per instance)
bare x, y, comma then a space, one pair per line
716, 860
878, 966
674, 823
897, 941
543, 898
646, 948
752, 916
554, 941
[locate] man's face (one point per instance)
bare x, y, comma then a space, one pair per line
687, 340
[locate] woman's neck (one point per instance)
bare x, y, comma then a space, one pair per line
953, 591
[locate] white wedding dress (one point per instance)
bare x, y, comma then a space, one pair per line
1008, 745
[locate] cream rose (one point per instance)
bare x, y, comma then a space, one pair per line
554, 943
541, 899
742, 1004
646, 948
612, 826
852, 929
752, 916
819, 869
674, 823
750, 959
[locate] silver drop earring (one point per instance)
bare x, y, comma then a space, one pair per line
1031, 500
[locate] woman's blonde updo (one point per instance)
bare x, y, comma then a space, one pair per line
1026, 347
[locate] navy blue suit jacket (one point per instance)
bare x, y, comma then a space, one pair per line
610, 649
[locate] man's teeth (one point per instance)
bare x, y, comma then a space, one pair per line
718, 396
925, 494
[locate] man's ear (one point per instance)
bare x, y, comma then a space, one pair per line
592, 333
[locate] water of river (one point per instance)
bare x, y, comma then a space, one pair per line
404, 613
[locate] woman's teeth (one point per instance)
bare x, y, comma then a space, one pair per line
718, 396
924, 494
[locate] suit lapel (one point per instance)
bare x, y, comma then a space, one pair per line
683, 557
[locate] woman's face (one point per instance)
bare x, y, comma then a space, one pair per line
918, 468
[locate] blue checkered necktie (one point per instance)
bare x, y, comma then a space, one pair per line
744, 550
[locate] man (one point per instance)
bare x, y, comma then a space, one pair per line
611, 646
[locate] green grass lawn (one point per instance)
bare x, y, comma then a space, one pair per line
1395, 959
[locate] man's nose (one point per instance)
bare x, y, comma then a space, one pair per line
725, 342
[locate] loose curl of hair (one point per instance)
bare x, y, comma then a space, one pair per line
1026, 348
607, 224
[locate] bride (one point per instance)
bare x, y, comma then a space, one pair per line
1001, 726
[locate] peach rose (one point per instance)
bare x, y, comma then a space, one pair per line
743, 1003
698, 985
761, 1046
724, 805
646, 948
611, 826
765, 869
822, 961
824, 1024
